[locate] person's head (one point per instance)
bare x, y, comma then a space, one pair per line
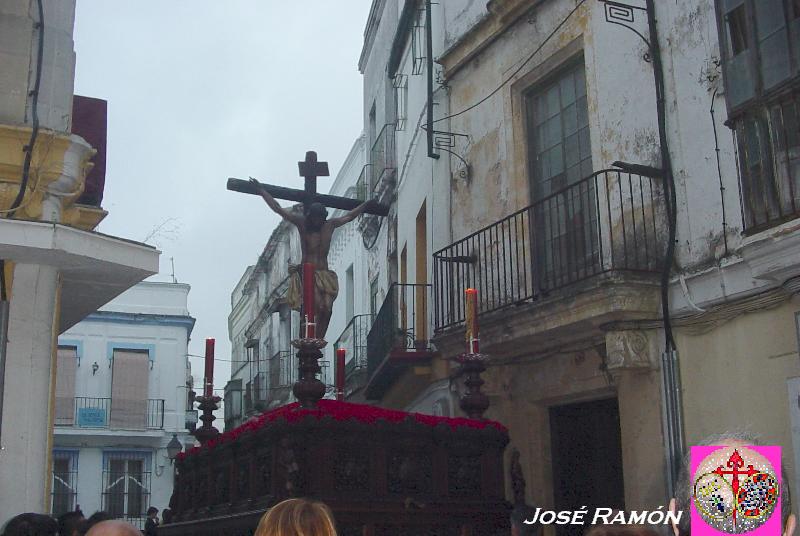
31, 525
683, 487
71, 523
297, 517
166, 516
152, 511
519, 514
113, 527
96, 518
316, 214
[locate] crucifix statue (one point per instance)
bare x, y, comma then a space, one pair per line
315, 228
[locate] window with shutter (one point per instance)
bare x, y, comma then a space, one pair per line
67, 364
129, 386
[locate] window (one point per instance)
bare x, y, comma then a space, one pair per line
67, 364
769, 164
761, 51
760, 46
64, 489
560, 157
129, 386
126, 484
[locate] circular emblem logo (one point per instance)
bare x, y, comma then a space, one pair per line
735, 489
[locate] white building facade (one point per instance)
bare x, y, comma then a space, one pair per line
55, 270
122, 394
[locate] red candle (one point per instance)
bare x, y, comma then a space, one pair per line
340, 355
209, 376
471, 318
308, 298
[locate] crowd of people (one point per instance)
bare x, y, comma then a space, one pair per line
304, 517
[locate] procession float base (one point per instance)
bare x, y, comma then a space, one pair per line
382, 473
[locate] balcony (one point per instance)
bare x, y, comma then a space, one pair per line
399, 336
234, 404
378, 178
383, 162
354, 340
112, 413
259, 391
282, 375
605, 229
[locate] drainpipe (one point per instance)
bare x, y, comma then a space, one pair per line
429, 69
670, 368
4, 306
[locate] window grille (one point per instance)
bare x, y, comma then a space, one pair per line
64, 489
126, 485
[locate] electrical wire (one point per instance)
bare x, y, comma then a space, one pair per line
719, 173
518, 69
26, 166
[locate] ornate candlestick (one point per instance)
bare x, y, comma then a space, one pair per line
208, 402
474, 402
308, 389
207, 405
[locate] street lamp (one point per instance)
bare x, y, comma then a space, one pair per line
174, 448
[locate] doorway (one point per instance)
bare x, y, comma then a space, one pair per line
587, 459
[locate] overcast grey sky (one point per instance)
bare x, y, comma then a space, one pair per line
199, 91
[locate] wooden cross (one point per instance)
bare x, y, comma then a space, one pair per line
309, 169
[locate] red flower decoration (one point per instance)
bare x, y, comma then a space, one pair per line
342, 411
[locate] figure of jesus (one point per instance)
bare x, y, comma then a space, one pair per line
316, 231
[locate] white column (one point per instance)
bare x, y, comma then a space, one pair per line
27, 415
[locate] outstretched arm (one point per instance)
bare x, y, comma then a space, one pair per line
283, 213
353, 214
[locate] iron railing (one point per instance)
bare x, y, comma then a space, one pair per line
259, 390
402, 323
382, 161
126, 492
609, 221
280, 370
768, 143
354, 340
92, 412
64, 486
233, 407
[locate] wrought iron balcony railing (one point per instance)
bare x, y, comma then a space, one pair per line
382, 160
402, 324
611, 221
113, 413
259, 390
281, 373
354, 340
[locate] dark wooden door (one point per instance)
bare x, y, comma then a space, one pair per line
587, 459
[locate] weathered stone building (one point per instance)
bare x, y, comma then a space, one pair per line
570, 281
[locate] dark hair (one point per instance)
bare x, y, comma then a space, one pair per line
152, 510
96, 518
317, 209
70, 522
31, 524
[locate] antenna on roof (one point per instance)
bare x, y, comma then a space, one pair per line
172, 261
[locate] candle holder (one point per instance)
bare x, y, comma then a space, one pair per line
474, 402
308, 389
207, 432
